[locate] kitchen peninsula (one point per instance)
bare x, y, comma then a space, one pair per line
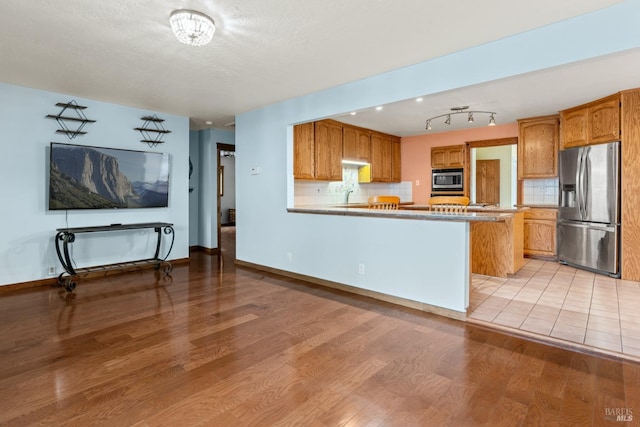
422, 258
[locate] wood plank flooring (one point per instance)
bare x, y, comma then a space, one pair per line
221, 345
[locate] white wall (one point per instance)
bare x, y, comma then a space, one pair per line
27, 244
332, 245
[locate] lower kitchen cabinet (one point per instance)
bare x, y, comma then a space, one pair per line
540, 232
496, 246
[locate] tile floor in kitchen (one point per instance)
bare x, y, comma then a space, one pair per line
563, 303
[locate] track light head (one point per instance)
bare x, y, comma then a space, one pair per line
460, 110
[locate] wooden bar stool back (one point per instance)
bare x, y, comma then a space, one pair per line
384, 202
449, 204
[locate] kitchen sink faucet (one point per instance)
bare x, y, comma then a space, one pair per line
346, 196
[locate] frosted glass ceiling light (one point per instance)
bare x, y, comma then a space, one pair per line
191, 27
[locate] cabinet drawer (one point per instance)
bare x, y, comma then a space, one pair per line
550, 214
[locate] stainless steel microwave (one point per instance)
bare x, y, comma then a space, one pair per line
446, 179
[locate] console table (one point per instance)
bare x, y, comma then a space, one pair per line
66, 236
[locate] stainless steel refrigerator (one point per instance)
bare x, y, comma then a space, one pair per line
588, 231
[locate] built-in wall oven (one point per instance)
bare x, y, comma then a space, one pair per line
447, 180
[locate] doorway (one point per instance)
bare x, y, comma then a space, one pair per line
226, 197
502, 177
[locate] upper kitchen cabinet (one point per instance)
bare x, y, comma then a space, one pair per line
328, 145
538, 147
317, 151
356, 144
304, 151
451, 156
380, 157
396, 160
592, 123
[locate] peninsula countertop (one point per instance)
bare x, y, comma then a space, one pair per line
414, 212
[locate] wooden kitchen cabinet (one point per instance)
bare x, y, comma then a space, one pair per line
304, 151
328, 150
538, 147
380, 157
317, 151
451, 156
592, 123
396, 160
540, 232
356, 144
604, 120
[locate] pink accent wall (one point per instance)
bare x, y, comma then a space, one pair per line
416, 153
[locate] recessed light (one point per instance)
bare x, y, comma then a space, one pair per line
379, 107
418, 99
353, 113
208, 122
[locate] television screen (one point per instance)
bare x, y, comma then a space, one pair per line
83, 177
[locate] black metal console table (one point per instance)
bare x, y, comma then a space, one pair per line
65, 236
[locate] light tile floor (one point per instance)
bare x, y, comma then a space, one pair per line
554, 300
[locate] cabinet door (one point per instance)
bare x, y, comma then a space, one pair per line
328, 142
540, 232
396, 162
380, 157
349, 143
356, 144
456, 156
364, 145
540, 237
303, 151
573, 128
439, 158
538, 148
604, 120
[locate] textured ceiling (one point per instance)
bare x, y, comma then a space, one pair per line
123, 51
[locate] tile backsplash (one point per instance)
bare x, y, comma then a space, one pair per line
334, 193
540, 191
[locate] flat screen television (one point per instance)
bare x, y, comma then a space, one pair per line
85, 177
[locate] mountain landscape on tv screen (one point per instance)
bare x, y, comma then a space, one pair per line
85, 178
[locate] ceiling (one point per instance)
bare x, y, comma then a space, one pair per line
123, 51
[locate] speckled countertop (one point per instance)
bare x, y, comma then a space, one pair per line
416, 214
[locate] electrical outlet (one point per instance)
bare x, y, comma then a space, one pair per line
52, 270
360, 268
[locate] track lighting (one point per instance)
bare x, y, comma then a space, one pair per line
461, 110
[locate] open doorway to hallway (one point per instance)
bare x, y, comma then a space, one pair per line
226, 196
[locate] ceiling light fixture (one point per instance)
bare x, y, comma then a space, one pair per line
463, 110
191, 27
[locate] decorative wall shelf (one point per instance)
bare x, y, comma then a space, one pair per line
152, 130
74, 122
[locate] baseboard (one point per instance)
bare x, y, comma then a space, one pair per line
53, 281
208, 251
416, 305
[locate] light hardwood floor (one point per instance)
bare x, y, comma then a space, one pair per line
220, 345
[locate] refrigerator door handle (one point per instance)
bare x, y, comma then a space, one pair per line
586, 185
579, 194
